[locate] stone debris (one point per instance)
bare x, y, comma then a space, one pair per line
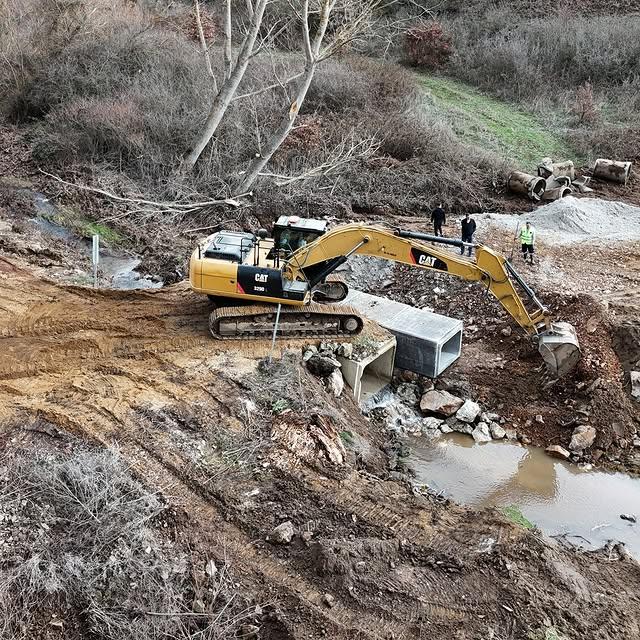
409, 393
283, 533
582, 438
635, 385
482, 433
556, 451
468, 412
440, 402
497, 432
335, 383
329, 600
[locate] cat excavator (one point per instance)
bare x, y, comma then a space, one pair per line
256, 282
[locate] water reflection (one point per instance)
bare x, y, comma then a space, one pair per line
558, 497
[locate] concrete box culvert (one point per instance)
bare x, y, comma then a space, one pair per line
371, 374
427, 343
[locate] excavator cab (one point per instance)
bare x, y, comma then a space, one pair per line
291, 233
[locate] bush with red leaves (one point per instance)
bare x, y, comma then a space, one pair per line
428, 45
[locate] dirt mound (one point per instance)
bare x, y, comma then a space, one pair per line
579, 220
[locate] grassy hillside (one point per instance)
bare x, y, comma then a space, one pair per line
494, 125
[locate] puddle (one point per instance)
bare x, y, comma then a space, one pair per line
115, 271
558, 497
120, 272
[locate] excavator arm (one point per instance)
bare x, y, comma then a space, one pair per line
557, 342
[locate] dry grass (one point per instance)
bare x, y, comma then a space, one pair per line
85, 546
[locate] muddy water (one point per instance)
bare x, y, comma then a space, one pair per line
116, 270
558, 497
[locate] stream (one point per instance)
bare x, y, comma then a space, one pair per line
558, 497
115, 268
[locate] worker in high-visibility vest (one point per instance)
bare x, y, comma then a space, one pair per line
527, 239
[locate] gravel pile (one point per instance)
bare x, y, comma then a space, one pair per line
579, 220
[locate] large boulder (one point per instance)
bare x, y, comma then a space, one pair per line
482, 433
582, 438
322, 366
440, 402
468, 412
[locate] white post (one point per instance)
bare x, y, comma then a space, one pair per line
95, 258
275, 331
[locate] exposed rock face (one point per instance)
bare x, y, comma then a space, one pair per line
468, 412
556, 451
583, 437
440, 402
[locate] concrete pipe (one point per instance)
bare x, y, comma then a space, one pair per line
557, 193
612, 170
527, 185
566, 169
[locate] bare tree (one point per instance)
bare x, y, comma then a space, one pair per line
356, 17
234, 72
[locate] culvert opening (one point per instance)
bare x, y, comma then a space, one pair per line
450, 351
369, 375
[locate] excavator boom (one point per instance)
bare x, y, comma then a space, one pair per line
557, 341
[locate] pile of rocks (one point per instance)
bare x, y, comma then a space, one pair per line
416, 409
449, 413
322, 361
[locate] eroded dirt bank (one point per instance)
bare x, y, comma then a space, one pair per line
139, 369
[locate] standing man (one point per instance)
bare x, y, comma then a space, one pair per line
468, 229
527, 240
438, 218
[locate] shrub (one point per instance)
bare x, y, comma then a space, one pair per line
85, 546
428, 45
584, 107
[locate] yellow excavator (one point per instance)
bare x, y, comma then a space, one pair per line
288, 279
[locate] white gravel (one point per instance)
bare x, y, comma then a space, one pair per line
572, 220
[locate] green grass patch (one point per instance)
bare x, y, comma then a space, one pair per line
347, 437
514, 514
492, 124
76, 222
109, 235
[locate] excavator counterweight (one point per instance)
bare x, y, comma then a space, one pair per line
295, 270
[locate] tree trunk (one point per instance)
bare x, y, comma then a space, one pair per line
227, 91
280, 134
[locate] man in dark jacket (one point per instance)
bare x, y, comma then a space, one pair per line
468, 229
438, 218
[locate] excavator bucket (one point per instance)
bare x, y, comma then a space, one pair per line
559, 348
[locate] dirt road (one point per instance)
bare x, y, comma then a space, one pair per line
139, 369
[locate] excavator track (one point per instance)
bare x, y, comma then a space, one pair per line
256, 322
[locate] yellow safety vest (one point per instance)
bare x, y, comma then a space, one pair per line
526, 237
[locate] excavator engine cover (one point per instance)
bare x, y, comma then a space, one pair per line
559, 348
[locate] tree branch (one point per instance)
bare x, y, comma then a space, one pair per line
203, 44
